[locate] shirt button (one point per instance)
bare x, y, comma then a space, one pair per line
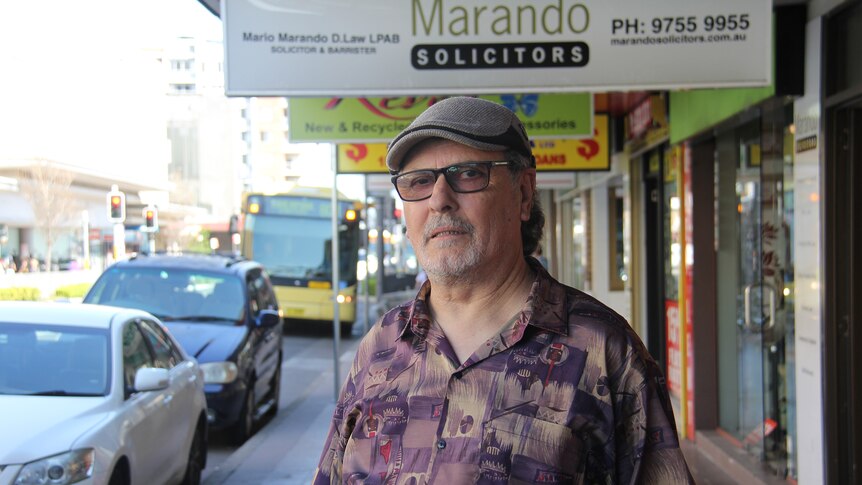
441, 444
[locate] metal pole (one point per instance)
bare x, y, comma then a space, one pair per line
119, 242
365, 323
383, 207
336, 323
681, 298
85, 218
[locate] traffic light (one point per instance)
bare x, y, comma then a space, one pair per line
116, 206
151, 219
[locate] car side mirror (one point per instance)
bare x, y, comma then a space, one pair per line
151, 379
268, 318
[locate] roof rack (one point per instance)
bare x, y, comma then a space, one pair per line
233, 257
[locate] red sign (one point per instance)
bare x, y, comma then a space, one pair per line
640, 119
674, 358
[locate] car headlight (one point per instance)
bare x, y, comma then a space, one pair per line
61, 469
219, 372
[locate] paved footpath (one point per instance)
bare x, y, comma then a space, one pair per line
286, 450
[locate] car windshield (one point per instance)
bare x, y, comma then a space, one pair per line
173, 294
53, 360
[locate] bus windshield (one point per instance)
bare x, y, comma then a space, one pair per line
300, 247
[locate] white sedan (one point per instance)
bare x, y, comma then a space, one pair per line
94, 394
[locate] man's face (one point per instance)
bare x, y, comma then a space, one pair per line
456, 233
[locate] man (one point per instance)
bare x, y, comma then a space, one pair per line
495, 372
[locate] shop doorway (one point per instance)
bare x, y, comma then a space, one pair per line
654, 256
842, 238
844, 282
755, 318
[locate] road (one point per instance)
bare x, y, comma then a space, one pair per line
307, 372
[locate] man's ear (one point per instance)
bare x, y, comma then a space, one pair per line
528, 188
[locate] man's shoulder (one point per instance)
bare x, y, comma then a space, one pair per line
578, 309
599, 329
386, 332
587, 319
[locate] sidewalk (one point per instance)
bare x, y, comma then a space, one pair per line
286, 450
703, 469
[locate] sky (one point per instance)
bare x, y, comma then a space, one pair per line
49, 43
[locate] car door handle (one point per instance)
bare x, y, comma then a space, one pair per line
168, 399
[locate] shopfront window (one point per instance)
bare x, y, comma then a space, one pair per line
617, 239
672, 225
581, 241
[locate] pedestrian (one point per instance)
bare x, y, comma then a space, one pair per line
540, 257
495, 372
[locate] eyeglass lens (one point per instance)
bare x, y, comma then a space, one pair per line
463, 178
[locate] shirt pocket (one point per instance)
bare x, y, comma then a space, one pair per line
518, 449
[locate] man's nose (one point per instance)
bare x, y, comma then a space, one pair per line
442, 196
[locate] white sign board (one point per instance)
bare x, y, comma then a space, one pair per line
440, 47
809, 281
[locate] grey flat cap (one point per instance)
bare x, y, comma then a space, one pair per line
474, 122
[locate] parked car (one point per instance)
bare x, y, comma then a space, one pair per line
223, 311
96, 394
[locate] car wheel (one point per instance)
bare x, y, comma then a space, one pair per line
244, 426
275, 388
197, 459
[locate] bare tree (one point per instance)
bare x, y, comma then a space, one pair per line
46, 187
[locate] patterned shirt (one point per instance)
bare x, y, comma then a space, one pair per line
566, 393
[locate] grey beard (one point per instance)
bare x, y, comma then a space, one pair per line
446, 268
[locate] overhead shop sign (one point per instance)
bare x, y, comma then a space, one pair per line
367, 120
589, 154
432, 47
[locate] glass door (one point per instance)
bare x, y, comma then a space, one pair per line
755, 193
751, 289
777, 304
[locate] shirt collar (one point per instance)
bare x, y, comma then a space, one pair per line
418, 317
547, 301
545, 307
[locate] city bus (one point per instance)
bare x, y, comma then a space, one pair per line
290, 234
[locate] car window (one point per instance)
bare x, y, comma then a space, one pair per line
166, 357
253, 293
136, 354
224, 299
261, 295
266, 292
172, 293
53, 360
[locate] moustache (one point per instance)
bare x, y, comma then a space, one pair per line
445, 221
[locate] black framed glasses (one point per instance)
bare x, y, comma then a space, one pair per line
462, 177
